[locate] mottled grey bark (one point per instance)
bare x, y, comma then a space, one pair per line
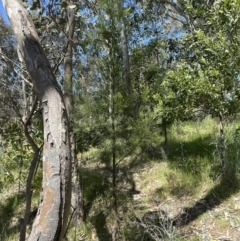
52, 216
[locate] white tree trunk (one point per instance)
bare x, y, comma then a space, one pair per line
53, 212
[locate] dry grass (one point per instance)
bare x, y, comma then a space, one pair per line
184, 189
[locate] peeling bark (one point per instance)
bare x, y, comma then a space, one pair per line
53, 212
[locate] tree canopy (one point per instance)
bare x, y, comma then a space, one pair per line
109, 78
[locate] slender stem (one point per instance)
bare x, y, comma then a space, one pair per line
31, 172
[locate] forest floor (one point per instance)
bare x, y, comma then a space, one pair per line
205, 212
183, 185
173, 193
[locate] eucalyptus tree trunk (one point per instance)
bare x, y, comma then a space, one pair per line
53, 212
125, 53
115, 227
124, 44
111, 110
222, 142
77, 197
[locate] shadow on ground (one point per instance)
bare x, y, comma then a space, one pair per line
10, 220
191, 156
221, 192
7, 212
187, 157
160, 225
100, 225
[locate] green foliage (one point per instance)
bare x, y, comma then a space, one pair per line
16, 153
206, 78
94, 184
176, 77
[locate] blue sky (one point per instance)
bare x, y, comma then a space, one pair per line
2, 12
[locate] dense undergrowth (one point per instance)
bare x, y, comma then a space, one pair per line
165, 192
